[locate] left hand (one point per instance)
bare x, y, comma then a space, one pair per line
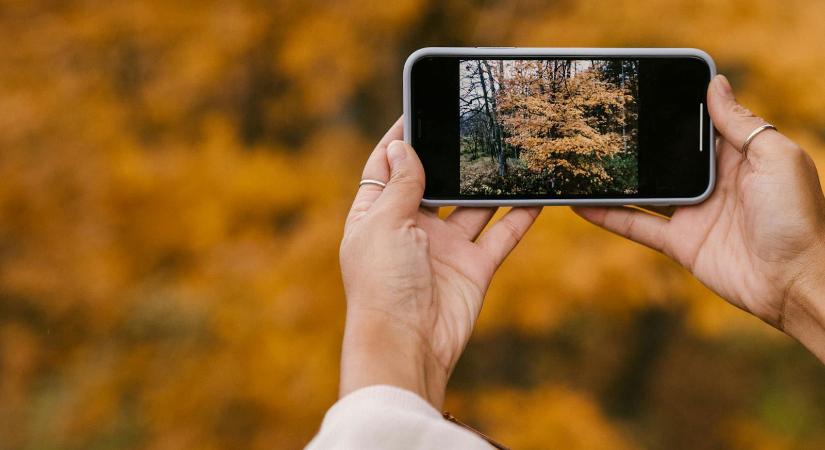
414, 282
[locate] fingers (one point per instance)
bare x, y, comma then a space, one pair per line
734, 121
395, 133
470, 221
405, 188
638, 226
377, 168
500, 239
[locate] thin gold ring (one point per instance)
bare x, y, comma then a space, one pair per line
375, 182
753, 134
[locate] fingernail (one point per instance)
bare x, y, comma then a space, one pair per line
396, 152
724, 86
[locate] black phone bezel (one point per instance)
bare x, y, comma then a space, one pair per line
674, 157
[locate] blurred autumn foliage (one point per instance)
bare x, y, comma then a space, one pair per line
174, 181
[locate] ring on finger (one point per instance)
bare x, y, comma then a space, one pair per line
366, 181
753, 134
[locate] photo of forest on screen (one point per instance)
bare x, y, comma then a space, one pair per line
548, 127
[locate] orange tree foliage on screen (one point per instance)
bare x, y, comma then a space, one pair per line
566, 118
174, 181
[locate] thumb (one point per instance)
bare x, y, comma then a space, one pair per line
403, 193
733, 121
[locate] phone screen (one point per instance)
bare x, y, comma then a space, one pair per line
562, 128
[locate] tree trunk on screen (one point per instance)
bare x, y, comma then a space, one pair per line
497, 138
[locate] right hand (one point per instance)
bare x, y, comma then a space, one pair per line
759, 240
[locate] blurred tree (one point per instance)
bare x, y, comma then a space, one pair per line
174, 181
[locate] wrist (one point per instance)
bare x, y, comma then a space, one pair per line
378, 349
803, 314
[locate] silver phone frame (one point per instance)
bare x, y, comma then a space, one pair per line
561, 52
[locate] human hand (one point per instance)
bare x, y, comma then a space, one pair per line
414, 282
759, 240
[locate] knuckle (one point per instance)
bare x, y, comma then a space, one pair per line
511, 230
798, 155
741, 111
628, 224
795, 151
793, 147
360, 206
421, 237
404, 178
407, 224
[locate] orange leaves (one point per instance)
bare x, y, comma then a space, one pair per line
547, 417
323, 54
566, 118
175, 177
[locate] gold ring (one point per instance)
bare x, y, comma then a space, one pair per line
375, 182
753, 134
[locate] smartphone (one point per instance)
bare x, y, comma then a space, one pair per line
561, 126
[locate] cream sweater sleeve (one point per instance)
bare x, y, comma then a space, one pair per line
386, 417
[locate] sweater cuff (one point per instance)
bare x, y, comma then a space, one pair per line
382, 396
381, 417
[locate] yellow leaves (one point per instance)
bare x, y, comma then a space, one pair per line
743, 434
175, 177
382, 17
562, 267
548, 416
325, 52
324, 55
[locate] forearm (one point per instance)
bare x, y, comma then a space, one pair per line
804, 314
377, 350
